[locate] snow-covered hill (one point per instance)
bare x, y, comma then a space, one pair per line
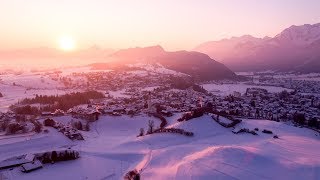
111, 149
195, 64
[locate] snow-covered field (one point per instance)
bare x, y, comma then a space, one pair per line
111, 149
293, 76
158, 68
226, 89
302, 77
17, 87
27, 84
13, 94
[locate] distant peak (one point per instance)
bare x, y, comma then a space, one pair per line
267, 38
156, 47
247, 36
243, 37
300, 27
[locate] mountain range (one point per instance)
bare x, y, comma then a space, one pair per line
198, 65
297, 49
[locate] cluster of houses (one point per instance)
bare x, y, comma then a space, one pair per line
67, 130
116, 80
31, 162
90, 114
261, 104
302, 85
255, 103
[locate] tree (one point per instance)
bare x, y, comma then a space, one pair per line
87, 126
37, 126
4, 125
151, 126
29, 110
313, 122
54, 156
13, 128
46, 158
141, 132
257, 113
49, 122
299, 118
284, 94
80, 126
253, 103
63, 102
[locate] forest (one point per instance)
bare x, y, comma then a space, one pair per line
51, 103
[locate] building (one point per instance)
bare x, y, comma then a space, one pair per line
31, 166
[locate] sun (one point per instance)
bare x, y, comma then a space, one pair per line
67, 43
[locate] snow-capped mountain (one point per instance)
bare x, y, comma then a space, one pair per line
300, 35
297, 48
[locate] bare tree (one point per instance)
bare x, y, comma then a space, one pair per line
151, 126
141, 132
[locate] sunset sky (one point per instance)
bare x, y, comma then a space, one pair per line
173, 24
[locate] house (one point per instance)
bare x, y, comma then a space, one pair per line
31, 166
29, 157
58, 112
93, 115
46, 114
17, 161
236, 94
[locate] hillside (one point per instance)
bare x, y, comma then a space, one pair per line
294, 49
198, 65
111, 149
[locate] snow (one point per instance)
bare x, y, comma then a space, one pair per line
15, 87
111, 149
226, 156
83, 69
32, 165
119, 93
301, 35
151, 88
12, 94
301, 77
154, 68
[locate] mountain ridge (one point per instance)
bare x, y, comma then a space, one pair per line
193, 63
289, 50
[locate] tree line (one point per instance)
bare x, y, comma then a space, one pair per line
53, 102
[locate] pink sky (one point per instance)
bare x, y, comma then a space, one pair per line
173, 24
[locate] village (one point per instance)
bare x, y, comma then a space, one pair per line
156, 96
137, 92
170, 94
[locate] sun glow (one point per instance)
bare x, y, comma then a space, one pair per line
66, 43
